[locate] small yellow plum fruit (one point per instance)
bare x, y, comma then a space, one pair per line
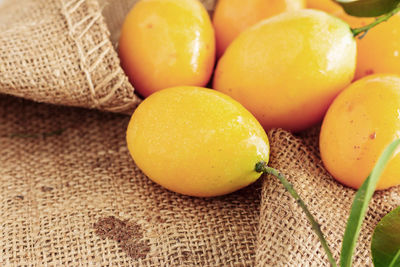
196, 141
360, 123
167, 43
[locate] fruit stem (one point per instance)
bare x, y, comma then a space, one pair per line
262, 167
363, 30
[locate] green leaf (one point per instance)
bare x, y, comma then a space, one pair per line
368, 8
360, 205
385, 245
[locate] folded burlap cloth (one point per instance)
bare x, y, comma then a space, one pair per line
71, 195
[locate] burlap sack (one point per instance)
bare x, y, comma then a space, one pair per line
71, 196
61, 52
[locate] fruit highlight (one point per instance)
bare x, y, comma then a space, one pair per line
286, 70
167, 43
196, 141
359, 124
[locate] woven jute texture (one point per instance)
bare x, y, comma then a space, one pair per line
65, 171
62, 52
71, 196
59, 51
285, 237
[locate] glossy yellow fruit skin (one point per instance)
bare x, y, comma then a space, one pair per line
359, 124
231, 17
287, 69
196, 141
379, 50
166, 43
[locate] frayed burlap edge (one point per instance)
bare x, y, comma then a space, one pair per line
60, 52
104, 47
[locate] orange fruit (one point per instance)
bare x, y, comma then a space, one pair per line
287, 69
359, 124
165, 43
325, 5
379, 50
196, 141
231, 17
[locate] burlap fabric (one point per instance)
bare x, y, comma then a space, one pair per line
71, 196
285, 237
64, 172
59, 51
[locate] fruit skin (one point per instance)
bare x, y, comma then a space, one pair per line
359, 124
287, 69
166, 43
196, 141
325, 5
231, 17
379, 50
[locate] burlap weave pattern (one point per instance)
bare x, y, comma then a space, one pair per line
285, 237
59, 51
71, 196
62, 170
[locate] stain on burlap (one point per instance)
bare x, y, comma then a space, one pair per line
70, 194
93, 178
127, 233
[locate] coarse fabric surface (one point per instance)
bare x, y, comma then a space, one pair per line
71, 195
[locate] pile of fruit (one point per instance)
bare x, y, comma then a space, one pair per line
279, 65
270, 64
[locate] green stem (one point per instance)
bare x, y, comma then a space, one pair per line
262, 167
366, 28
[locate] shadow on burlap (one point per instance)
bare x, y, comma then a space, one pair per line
71, 195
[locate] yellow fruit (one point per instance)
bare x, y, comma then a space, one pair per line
166, 43
359, 124
196, 141
379, 50
287, 69
231, 17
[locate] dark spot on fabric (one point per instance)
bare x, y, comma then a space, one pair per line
128, 235
136, 249
46, 189
186, 255
159, 219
